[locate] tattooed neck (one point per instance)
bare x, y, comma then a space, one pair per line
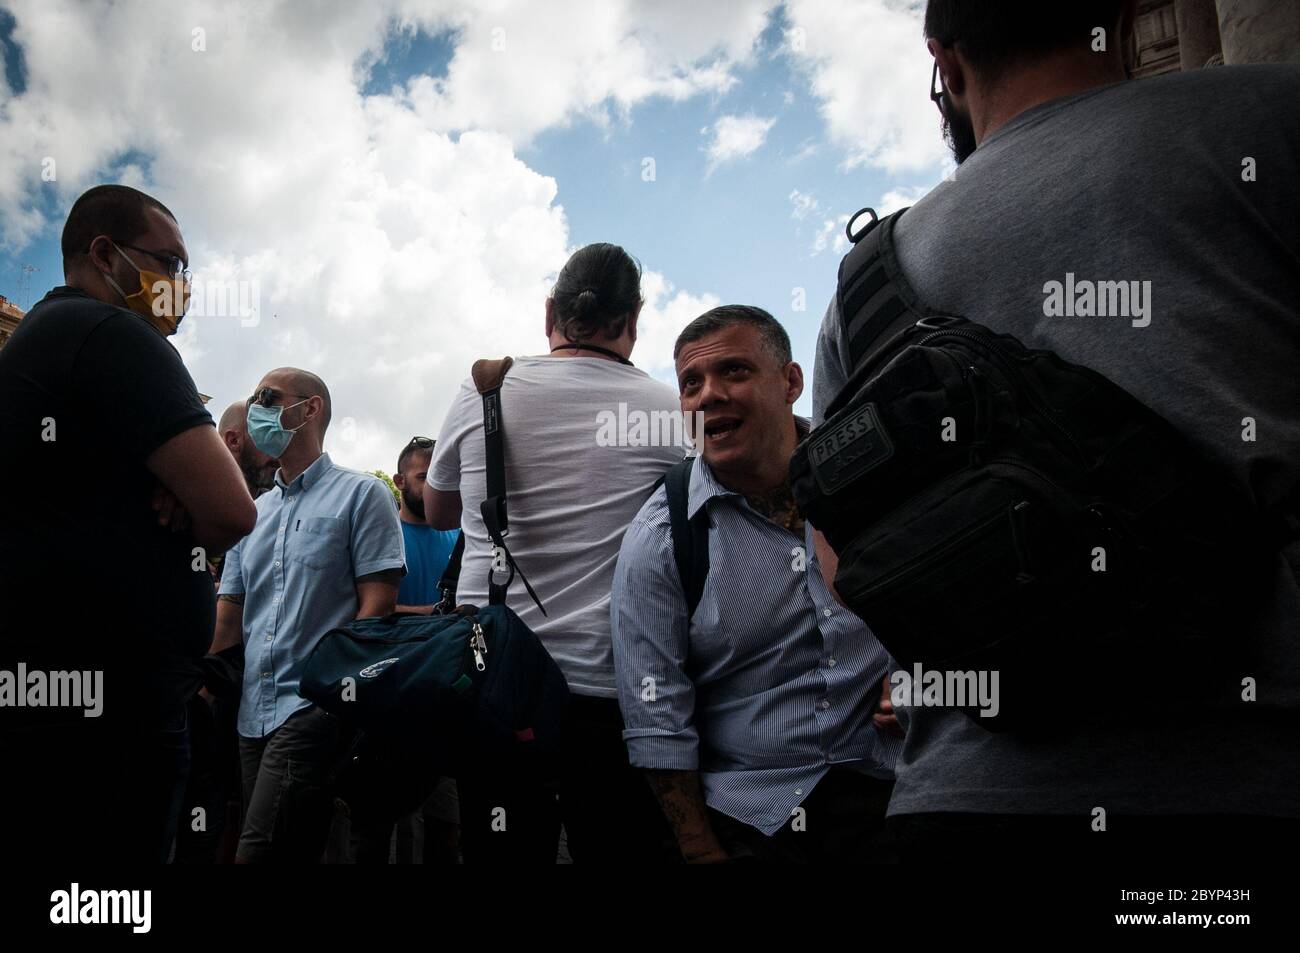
777, 505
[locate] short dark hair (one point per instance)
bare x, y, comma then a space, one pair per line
995, 34
114, 210
597, 290
774, 337
411, 450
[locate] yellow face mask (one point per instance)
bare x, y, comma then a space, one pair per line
157, 299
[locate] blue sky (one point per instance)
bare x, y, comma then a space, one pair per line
715, 231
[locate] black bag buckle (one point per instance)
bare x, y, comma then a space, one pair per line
493, 511
855, 237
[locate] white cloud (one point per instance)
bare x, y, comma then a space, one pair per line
390, 250
830, 229
520, 67
898, 198
866, 62
802, 204
735, 137
665, 313
831, 235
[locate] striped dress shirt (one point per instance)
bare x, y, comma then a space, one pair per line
768, 685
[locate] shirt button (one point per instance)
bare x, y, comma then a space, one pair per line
827, 613
268, 638
277, 564
823, 704
830, 663
798, 792
266, 674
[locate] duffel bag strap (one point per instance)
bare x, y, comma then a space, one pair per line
451, 577
488, 377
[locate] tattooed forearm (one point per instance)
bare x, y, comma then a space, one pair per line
682, 800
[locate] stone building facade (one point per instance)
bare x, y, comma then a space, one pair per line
10, 315
1190, 34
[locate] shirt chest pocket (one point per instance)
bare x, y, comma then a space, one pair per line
319, 543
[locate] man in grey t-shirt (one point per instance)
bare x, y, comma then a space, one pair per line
1189, 185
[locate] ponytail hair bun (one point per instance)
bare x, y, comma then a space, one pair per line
597, 290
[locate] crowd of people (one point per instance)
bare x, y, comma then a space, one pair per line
746, 714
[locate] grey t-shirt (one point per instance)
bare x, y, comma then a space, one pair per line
1189, 182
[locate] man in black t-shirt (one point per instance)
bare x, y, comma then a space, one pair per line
103, 614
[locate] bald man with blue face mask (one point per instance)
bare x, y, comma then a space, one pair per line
327, 549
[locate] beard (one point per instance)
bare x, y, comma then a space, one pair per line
958, 132
413, 503
259, 480
258, 469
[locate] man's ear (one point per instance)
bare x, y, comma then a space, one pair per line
794, 382
399, 481
232, 441
550, 316
99, 254
315, 407
951, 70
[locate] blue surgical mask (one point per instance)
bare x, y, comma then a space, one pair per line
265, 430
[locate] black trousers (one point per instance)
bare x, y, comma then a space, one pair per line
842, 820
609, 813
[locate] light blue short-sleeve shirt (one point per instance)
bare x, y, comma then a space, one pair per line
297, 571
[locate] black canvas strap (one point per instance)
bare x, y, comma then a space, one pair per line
875, 300
451, 576
690, 536
488, 377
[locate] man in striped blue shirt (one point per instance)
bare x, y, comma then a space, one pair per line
757, 717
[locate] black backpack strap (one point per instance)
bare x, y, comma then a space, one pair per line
690, 536
451, 576
488, 377
875, 300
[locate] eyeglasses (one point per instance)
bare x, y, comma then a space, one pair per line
936, 88
421, 443
267, 396
174, 267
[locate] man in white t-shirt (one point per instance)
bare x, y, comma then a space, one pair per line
586, 436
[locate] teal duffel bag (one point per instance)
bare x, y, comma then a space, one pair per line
475, 684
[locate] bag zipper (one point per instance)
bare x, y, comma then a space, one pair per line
380, 640
977, 385
478, 644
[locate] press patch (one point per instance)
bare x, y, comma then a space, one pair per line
843, 451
